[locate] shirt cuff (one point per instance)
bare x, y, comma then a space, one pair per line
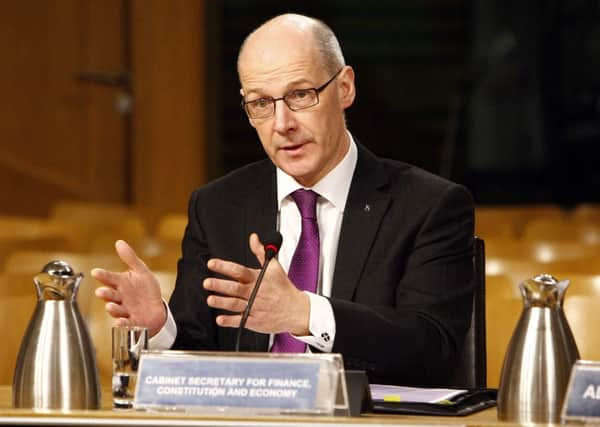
164, 338
321, 324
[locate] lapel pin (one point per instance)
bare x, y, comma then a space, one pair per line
367, 208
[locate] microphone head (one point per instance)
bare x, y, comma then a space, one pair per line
272, 243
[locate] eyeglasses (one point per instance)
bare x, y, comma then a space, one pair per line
299, 99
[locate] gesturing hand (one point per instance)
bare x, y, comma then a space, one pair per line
279, 306
133, 297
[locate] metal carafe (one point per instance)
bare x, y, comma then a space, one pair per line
539, 357
56, 366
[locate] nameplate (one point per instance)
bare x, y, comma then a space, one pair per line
193, 380
582, 400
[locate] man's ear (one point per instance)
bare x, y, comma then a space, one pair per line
346, 87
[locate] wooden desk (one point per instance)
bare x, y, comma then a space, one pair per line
108, 417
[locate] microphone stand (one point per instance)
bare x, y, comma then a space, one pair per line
270, 251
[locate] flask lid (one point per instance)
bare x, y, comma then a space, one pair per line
57, 281
544, 290
58, 268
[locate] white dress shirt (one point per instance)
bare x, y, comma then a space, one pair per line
333, 192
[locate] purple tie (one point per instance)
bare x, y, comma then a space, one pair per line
304, 268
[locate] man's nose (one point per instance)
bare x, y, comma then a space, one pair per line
284, 120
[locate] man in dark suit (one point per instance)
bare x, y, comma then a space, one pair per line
376, 258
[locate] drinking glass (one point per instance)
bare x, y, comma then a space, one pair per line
127, 345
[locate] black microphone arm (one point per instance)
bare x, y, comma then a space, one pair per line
271, 245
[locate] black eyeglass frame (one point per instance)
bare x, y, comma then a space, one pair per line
316, 90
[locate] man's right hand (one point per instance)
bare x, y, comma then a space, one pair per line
132, 297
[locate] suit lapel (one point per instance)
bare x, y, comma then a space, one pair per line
260, 211
364, 211
260, 216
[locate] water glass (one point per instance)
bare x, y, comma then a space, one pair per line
127, 345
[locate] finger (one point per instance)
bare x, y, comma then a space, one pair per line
257, 248
122, 321
129, 257
227, 287
231, 269
106, 277
229, 321
235, 305
116, 310
108, 294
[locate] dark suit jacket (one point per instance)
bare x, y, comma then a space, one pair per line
402, 290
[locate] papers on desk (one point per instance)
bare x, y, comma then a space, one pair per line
392, 393
430, 401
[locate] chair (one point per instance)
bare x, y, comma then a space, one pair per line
523, 259
171, 227
471, 370
586, 212
517, 270
32, 262
503, 308
581, 310
539, 250
586, 232
88, 219
517, 216
31, 233
165, 261
17, 303
489, 228
158, 254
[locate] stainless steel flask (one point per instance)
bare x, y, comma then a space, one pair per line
56, 365
539, 357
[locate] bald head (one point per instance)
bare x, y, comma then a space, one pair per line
312, 33
291, 68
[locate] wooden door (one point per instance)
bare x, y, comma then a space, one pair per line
60, 137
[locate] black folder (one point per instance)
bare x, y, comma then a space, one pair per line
471, 401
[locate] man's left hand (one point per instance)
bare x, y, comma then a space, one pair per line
279, 306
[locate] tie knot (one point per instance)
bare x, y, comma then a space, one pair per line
306, 200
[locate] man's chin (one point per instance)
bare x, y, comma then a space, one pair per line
300, 174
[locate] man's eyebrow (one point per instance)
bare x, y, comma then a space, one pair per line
252, 91
288, 86
297, 82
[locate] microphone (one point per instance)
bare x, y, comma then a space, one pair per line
272, 244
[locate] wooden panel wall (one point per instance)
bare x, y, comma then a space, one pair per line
59, 138
168, 119
62, 138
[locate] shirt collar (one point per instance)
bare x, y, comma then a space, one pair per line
334, 186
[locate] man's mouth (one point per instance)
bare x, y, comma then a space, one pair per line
293, 147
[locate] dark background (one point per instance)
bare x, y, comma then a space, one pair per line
500, 95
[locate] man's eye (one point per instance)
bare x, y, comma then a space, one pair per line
300, 94
261, 103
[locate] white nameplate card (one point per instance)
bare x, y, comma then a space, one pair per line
582, 400
251, 382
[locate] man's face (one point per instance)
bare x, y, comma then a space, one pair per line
309, 143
